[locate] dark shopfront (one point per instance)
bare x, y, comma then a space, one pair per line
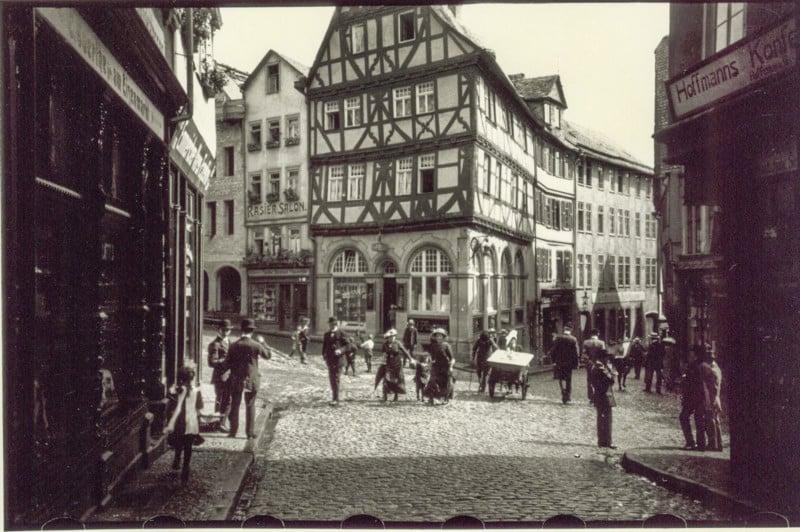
278, 298
85, 223
741, 153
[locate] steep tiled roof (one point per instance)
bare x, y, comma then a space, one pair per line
534, 88
450, 18
598, 143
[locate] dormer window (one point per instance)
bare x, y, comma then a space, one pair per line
552, 115
407, 26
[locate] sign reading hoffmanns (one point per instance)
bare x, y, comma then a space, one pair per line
69, 24
747, 63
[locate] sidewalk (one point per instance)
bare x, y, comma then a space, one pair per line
218, 468
702, 475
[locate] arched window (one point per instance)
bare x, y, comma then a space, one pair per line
430, 283
507, 291
349, 286
491, 292
519, 267
477, 283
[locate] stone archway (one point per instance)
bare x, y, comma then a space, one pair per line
230, 290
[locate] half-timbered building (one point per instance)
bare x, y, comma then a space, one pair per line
277, 254
423, 166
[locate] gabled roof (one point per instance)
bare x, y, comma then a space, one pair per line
296, 65
539, 88
599, 144
236, 77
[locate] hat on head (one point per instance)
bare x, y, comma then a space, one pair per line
411, 322
653, 335
439, 330
390, 332
492, 330
248, 325
333, 319
225, 324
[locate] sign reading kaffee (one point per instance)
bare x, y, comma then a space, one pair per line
747, 63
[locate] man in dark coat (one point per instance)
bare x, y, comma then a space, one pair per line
481, 351
637, 357
565, 356
245, 377
712, 382
693, 402
603, 375
591, 350
409, 340
335, 344
654, 363
217, 355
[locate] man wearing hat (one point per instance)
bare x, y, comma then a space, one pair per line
591, 348
217, 354
335, 344
603, 375
565, 356
481, 351
409, 340
245, 377
654, 363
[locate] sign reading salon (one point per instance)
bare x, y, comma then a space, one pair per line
747, 63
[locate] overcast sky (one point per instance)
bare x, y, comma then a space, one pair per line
604, 53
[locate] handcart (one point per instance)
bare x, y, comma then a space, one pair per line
509, 369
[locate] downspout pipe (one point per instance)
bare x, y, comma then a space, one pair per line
187, 114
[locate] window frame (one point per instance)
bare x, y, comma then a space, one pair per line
404, 98
407, 174
426, 163
352, 112
331, 114
361, 41
337, 180
293, 120
276, 75
211, 207
358, 180
428, 97
400, 26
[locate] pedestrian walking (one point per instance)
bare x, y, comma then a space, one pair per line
334, 346
654, 364
245, 379
621, 363
367, 347
636, 357
603, 375
693, 401
712, 384
410, 340
565, 356
591, 349
220, 376
183, 428
482, 349
422, 374
440, 384
300, 340
394, 381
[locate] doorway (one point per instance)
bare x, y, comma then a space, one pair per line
285, 307
230, 290
389, 301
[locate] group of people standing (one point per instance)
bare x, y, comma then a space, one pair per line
338, 348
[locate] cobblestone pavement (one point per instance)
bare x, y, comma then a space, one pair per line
498, 460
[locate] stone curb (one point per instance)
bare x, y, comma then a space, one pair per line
637, 465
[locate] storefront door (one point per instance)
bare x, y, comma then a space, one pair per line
300, 303
389, 301
285, 307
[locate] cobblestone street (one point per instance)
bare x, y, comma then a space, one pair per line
498, 460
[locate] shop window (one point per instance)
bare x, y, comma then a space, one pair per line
430, 283
273, 79
407, 26
349, 286
264, 301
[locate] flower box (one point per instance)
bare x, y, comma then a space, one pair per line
254, 146
293, 141
272, 197
273, 144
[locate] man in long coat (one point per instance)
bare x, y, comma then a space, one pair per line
335, 345
592, 347
245, 377
409, 340
565, 356
217, 355
603, 375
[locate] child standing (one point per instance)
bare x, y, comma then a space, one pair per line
367, 347
183, 429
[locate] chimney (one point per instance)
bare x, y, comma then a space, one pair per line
516, 77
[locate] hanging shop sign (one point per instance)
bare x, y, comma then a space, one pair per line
76, 31
745, 64
191, 154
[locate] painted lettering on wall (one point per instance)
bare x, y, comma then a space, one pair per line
278, 208
69, 24
747, 62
